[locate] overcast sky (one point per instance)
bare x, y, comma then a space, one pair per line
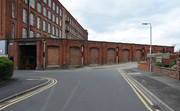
120, 20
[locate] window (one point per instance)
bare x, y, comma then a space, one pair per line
31, 34
24, 33
57, 20
39, 7
53, 18
38, 35
49, 28
13, 7
12, 31
61, 12
45, 1
44, 11
44, 25
49, 14
49, 3
54, 6
60, 23
32, 19
57, 9
39, 23
25, 1
53, 31
60, 36
24, 16
57, 32
32, 3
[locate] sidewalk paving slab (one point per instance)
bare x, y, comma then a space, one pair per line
165, 88
19, 85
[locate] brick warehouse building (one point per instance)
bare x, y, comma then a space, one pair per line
42, 33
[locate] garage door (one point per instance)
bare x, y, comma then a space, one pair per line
74, 56
138, 55
94, 55
111, 56
53, 55
125, 55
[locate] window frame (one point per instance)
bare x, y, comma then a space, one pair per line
32, 18
39, 7
24, 35
44, 11
44, 25
24, 16
38, 23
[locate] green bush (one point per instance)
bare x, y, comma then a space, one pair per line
6, 68
172, 63
173, 67
159, 64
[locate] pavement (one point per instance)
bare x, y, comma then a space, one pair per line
19, 85
165, 89
92, 89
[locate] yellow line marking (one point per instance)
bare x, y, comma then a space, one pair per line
142, 93
54, 81
142, 100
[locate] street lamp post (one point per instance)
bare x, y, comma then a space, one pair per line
150, 69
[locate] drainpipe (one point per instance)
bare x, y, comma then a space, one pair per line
117, 49
28, 24
82, 54
44, 49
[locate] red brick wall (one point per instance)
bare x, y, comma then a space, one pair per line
167, 71
144, 66
93, 51
167, 61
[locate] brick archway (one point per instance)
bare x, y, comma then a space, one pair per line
94, 55
74, 56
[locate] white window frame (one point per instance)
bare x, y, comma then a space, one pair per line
57, 20
31, 34
60, 33
39, 7
25, 16
13, 9
32, 3
24, 33
38, 22
53, 18
49, 28
57, 9
49, 3
12, 30
60, 12
44, 25
49, 14
45, 1
53, 30
60, 22
32, 19
44, 11
38, 35
57, 32
54, 6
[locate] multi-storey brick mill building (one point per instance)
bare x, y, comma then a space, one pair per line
37, 34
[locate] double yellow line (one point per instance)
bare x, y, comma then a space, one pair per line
139, 93
18, 99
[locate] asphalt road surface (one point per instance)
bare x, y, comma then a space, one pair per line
87, 89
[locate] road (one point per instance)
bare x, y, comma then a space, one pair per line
85, 89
